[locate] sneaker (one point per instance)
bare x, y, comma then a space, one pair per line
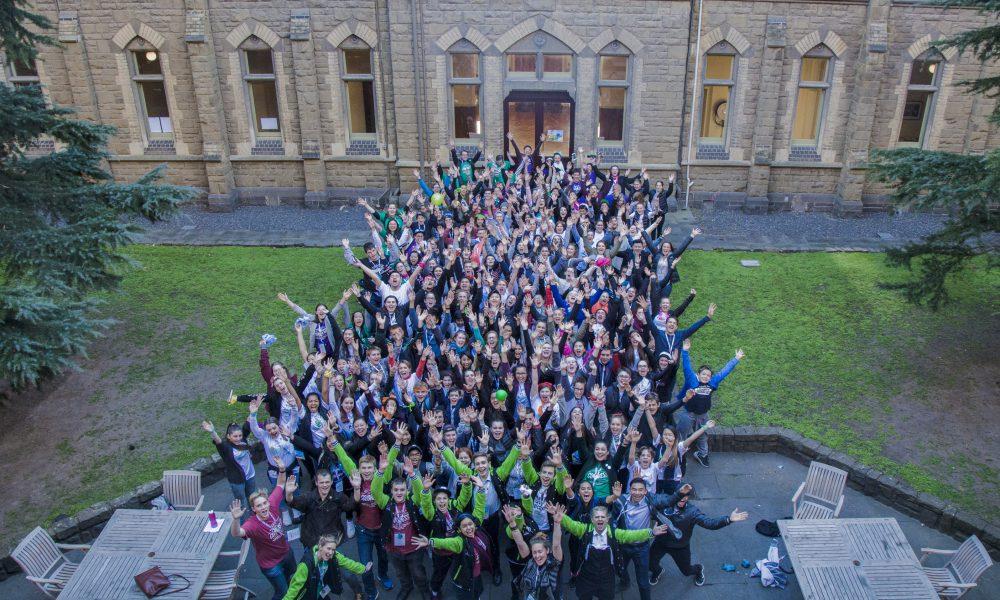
654, 578
349, 528
374, 596
699, 577
702, 459
387, 583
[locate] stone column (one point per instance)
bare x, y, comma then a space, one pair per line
307, 94
864, 98
759, 174
77, 67
211, 118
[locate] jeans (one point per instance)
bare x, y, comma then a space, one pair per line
368, 539
681, 556
410, 573
639, 555
686, 424
279, 575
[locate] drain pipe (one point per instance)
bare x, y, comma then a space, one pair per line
694, 94
416, 83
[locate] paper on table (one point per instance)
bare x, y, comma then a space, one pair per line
218, 525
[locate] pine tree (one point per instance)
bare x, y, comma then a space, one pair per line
64, 221
967, 187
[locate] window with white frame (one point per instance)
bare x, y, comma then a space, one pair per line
612, 94
539, 56
718, 81
465, 80
358, 75
146, 70
22, 73
813, 92
261, 87
925, 77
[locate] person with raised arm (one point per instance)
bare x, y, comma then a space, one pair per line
602, 550
471, 548
538, 578
683, 517
266, 532
319, 577
704, 383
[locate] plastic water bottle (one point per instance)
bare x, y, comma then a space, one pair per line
212, 521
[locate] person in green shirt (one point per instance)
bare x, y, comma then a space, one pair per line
472, 547
318, 575
602, 556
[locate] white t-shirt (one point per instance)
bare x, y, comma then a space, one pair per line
650, 474
675, 470
401, 294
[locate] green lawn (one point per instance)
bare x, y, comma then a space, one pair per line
829, 354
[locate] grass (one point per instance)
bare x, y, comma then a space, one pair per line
827, 351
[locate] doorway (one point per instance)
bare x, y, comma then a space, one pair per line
530, 114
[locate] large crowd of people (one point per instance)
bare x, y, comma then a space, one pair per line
512, 402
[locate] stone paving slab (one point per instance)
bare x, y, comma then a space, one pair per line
762, 484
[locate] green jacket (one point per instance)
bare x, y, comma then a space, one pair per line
296, 587
624, 536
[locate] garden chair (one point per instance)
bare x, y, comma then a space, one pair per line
963, 568
182, 489
221, 583
821, 495
43, 562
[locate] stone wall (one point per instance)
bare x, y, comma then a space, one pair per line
872, 44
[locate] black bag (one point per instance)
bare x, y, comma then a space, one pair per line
768, 528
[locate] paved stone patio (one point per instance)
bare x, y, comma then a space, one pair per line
761, 484
724, 229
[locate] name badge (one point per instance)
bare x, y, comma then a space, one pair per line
323, 593
399, 540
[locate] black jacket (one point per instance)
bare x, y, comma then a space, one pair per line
321, 515
685, 520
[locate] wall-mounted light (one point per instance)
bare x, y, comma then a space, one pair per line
150, 56
932, 67
478, 127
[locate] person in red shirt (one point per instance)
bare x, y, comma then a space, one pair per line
369, 519
402, 523
266, 531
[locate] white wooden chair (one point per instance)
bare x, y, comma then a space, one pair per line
43, 562
963, 568
821, 495
182, 489
221, 583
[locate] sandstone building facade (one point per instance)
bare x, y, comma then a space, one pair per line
759, 104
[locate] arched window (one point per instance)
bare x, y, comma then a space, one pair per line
150, 90
540, 56
810, 102
358, 73
925, 77
718, 80
261, 87
465, 79
613, 74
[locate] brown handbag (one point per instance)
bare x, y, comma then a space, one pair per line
154, 582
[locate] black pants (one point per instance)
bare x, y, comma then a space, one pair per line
681, 556
515, 571
588, 592
440, 565
492, 527
473, 594
410, 573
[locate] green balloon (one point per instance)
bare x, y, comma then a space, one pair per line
501, 395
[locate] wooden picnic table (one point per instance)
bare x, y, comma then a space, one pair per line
136, 540
854, 559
